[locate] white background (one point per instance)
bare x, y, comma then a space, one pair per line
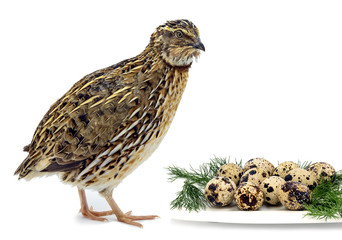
268, 86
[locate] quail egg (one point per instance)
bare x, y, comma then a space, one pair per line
248, 196
303, 176
255, 175
270, 187
283, 168
259, 163
293, 195
322, 171
232, 171
220, 191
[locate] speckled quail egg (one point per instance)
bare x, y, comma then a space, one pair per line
259, 163
270, 187
283, 168
248, 196
322, 171
303, 176
254, 175
293, 195
232, 171
220, 191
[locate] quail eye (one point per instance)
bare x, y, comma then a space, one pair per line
179, 34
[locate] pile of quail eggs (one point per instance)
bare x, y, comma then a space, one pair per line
259, 182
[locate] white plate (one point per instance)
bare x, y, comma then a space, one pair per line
265, 215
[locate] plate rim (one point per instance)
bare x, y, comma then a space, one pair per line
265, 215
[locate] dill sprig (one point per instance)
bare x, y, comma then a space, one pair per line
327, 199
304, 165
192, 197
203, 174
199, 177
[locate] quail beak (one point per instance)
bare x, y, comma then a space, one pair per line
199, 45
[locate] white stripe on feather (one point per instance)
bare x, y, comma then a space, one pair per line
105, 162
92, 164
117, 148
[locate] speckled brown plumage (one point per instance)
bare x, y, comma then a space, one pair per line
111, 120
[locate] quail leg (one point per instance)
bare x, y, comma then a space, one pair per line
126, 217
88, 212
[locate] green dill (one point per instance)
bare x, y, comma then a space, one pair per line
304, 165
192, 197
326, 200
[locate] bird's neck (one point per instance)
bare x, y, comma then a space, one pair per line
162, 75
153, 54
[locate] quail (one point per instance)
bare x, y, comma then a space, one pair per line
113, 119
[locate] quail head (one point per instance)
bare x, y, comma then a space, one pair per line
113, 119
